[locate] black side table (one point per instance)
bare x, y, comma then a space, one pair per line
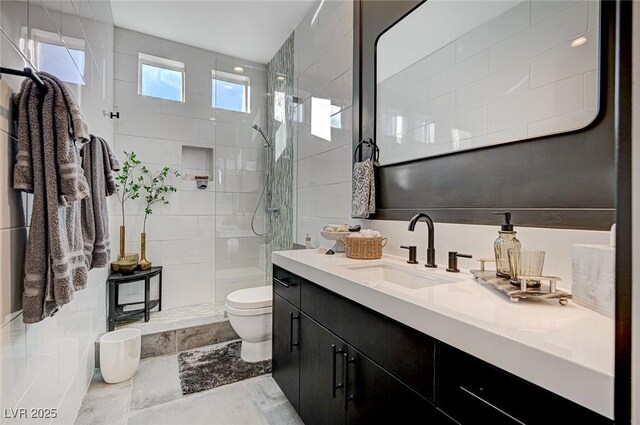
116, 310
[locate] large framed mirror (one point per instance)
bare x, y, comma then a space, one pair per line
453, 76
509, 106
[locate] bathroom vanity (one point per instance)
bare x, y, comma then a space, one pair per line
362, 342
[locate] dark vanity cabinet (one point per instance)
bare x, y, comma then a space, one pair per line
339, 362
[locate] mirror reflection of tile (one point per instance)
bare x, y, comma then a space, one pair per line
494, 73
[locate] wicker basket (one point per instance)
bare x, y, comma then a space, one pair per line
364, 248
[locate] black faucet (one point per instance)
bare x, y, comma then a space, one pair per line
431, 252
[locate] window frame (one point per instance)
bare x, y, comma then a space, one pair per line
160, 62
39, 37
244, 80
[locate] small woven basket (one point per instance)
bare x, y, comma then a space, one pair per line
364, 248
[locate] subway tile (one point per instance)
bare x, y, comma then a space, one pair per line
194, 296
326, 168
308, 81
239, 225
541, 10
568, 122
206, 274
149, 150
237, 248
549, 33
559, 98
432, 64
460, 74
336, 61
329, 201
565, 61
470, 123
508, 82
132, 43
126, 68
230, 203
500, 28
509, 112
179, 276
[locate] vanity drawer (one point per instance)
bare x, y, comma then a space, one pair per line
405, 353
287, 285
469, 388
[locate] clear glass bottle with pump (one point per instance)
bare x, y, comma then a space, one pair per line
506, 240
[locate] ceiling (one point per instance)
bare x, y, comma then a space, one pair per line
248, 29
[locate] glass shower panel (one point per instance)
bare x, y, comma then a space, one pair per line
239, 178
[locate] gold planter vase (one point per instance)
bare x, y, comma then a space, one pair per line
144, 263
115, 266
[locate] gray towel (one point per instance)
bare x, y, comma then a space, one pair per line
98, 164
48, 165
363, 190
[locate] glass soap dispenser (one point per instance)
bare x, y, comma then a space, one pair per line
506, 240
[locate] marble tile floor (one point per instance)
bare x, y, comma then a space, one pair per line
153, 397
177, 318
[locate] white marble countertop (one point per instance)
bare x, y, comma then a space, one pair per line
568, 350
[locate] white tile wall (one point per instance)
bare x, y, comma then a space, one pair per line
323, 54
190, 235
520, 65
49, 364
478, 241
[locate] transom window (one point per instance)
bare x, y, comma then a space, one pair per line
160, 77
63, 57
230, 91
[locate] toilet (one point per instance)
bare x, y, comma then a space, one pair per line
249, 312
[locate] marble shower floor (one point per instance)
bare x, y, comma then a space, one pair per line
153, 397
177, 318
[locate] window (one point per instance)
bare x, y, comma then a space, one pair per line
160, 77
64, 58
230, 91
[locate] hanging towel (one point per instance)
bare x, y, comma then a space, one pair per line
363, 190
48, 165
98, 164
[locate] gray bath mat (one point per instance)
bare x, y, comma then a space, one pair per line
202, 370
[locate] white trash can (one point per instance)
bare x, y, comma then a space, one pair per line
120, 354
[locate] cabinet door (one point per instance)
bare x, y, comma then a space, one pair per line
285, 362
322, 367
376, 397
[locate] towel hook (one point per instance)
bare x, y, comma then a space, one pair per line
375, 150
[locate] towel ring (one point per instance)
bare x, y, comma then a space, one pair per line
375, 150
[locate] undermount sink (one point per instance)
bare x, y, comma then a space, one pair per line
398, 275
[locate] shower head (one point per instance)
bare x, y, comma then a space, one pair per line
259, 130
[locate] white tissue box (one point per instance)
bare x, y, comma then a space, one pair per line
594, 278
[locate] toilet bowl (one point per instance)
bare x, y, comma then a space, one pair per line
249, 312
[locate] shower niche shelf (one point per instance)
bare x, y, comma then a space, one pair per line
197, 161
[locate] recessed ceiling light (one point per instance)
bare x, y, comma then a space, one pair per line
238, 69
579, 41
280, 78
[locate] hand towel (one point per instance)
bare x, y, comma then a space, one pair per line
48, 165
97, 164
363, 190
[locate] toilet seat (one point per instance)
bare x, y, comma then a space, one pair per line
251, 299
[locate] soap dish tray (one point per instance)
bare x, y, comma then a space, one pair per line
544, 291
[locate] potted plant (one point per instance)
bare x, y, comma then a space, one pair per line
155, 188
128, 185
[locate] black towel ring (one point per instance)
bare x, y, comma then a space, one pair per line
375, 150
